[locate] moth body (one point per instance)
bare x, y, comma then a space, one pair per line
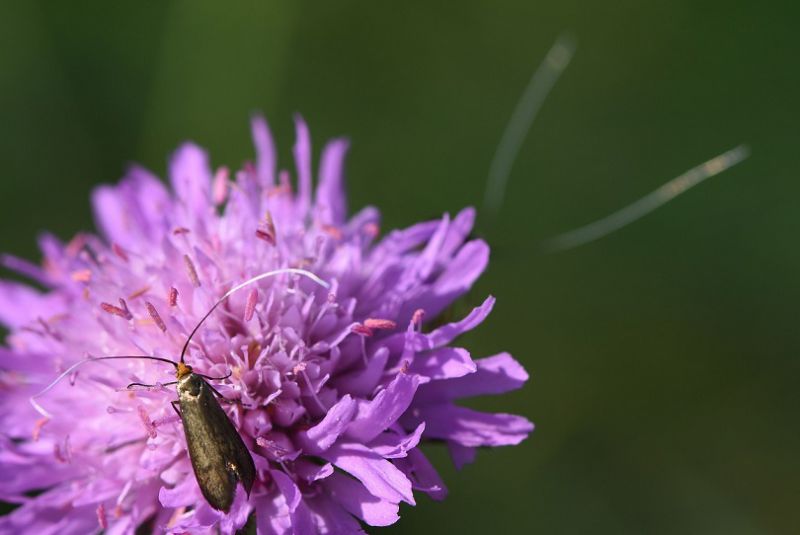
219, 457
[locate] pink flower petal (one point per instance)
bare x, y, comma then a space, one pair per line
422, 474
461, 455
287, 487
447, 333
494, 375
320, 437
190, 175
391, 445
384, 410
331, 201
471, 428
360, 502
379, 476
265, 151
364, 380
443, 363
302, 158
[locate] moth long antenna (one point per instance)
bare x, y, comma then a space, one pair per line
248, 282
542, 81
77, 365
648, 203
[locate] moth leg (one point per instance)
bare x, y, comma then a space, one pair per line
230, 372
139, 384
175, 407
222, 398
151, 386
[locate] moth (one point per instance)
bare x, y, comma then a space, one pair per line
219, 456
220, 459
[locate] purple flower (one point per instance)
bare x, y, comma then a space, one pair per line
332, 389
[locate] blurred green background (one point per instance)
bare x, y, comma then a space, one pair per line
663, 359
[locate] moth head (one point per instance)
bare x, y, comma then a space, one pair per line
182, 370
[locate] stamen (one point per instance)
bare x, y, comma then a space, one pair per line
119, 251
172, 296
334, 232
266, 230
372, 229
115, 310
260, 234
75, 245
373, 323
148, 424
124, 306
220, 186
57, 454
285, 186
37, 428
191, 270
250, 306
156, 318
82, 275
101, 517
418, 316
168, 419
63, 454
140, 292
180, 230
362, 330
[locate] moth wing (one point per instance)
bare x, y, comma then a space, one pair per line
218, 454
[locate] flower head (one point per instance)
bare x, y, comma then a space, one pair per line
332, 386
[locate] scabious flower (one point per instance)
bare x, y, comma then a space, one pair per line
332, 389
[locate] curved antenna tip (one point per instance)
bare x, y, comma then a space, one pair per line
650, 202
252, 280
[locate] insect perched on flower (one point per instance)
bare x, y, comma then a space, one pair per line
330, 389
